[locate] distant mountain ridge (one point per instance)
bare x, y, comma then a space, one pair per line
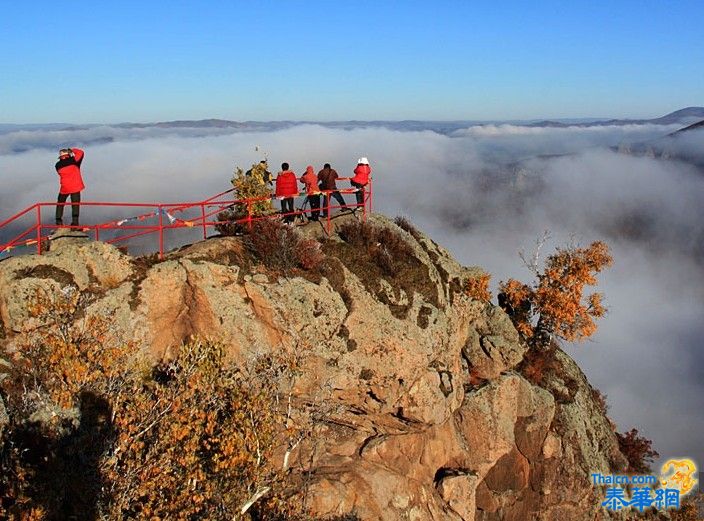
683, 116
693, 126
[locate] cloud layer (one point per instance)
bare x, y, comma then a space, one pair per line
485, 193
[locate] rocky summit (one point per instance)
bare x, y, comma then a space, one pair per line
431, 415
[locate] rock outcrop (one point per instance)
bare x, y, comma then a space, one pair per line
432, 419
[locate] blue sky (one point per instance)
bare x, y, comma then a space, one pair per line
148, 61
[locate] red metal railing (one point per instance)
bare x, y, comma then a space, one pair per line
209, 208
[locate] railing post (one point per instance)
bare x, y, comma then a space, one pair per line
161, 233
327, 208
249, 214
371, 191
39, 230
97, 233
202, 214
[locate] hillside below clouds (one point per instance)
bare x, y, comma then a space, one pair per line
431, 416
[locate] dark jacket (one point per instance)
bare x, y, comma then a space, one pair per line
326, 179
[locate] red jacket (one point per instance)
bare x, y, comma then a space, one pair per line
310, 180
286, 184
69, 170
361, 174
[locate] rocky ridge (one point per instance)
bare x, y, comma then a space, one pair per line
433, 419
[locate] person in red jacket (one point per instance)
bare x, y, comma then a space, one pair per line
310, 180
361, 178
286, 187
70, 183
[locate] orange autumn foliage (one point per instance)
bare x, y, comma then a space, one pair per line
638, 451
477, 288
557, 298
96, 431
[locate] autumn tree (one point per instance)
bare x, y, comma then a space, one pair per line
555, 304
477, 287
638, 451
252, 184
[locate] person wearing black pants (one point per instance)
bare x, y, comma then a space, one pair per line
286, 189
75, 209
287, 207
314, 201
359, 194
338, 197
309, 180
327, 178
68, 167
361, 177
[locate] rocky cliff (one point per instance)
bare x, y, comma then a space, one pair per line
431, 416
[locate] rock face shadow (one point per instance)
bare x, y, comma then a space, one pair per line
65, 481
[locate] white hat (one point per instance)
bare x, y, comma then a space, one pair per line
363, 161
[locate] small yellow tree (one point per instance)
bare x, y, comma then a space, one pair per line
252, 184
557, 298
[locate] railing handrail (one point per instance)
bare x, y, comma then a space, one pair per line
215, 201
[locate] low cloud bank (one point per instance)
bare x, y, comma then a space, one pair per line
485, 193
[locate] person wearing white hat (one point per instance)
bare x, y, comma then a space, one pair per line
361, 178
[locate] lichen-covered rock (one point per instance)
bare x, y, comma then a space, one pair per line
493, 346
410, 433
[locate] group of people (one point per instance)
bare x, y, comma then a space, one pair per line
68, 167
324, 182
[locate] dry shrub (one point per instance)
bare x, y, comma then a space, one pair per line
186, 435
310, 255
637, 450
228, 224
477, 288
600, 401
67, 353
405, 224
556, 298
538, 365
60, 424
691, 508
282, 247
96, 433
385, 246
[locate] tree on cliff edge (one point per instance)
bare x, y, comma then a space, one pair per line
555, 304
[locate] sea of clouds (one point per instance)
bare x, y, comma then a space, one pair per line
485, 193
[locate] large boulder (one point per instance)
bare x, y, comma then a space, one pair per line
428, 417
